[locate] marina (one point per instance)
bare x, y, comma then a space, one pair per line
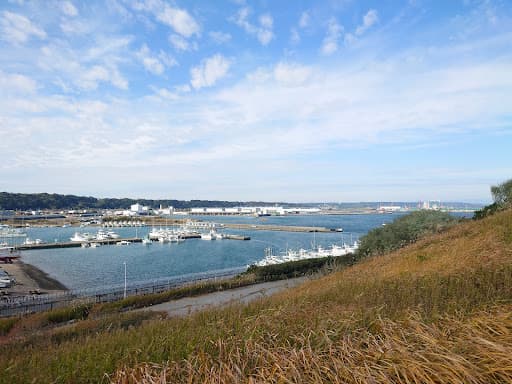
101, 264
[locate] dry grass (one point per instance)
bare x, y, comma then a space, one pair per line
477, 349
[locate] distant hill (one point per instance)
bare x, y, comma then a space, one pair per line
30, 201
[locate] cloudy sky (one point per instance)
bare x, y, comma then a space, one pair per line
332, 100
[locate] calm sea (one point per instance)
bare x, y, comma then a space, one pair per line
80, 268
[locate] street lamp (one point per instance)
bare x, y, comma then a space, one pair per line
124, 280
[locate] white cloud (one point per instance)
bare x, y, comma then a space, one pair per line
291, 74
75, 26
179, 20
151, 63
331, 40
266, 21
304, 20
181, 44
176, 18
369, 20
18, 29
209, 71
16, 83
263, 32
183, 88
91, 77
285, 74
164, 93
68, 9
87, 67
294, 36
167, 59
260, 75
220, 37
391, 101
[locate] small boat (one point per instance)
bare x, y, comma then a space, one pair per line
11, 232
81, 237
113, 235
212, 235
123, 242
29, 241
146, 241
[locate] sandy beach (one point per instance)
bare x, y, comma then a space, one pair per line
29, 279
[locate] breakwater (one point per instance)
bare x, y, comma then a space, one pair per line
284, 228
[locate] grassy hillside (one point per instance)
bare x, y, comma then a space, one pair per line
439, 310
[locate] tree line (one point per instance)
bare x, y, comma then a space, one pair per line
31, 201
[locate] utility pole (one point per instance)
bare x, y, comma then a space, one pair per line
124, 280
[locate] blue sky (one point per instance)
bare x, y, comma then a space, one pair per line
334, 100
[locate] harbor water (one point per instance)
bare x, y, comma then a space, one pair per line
102, 267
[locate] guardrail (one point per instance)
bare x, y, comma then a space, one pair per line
13, 306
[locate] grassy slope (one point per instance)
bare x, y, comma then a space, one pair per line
436, 311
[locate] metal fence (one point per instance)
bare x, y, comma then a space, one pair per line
12, 306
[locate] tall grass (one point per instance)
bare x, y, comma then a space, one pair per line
7, 324
476, 349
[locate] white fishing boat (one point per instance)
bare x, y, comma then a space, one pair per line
219, 236
155, 234
11, 232
207, 236
29, 241
302, 254
212, 235
81, 237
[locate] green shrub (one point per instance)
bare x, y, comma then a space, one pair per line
502, 196
7, 324
78, 312
404, 230
296, 268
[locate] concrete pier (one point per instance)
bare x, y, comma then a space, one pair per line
270, 227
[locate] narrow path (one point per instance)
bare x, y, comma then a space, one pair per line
188, 305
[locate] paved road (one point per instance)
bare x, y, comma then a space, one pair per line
187, 305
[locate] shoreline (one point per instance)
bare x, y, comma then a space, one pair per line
30, 278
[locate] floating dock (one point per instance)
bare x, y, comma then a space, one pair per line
75, 244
